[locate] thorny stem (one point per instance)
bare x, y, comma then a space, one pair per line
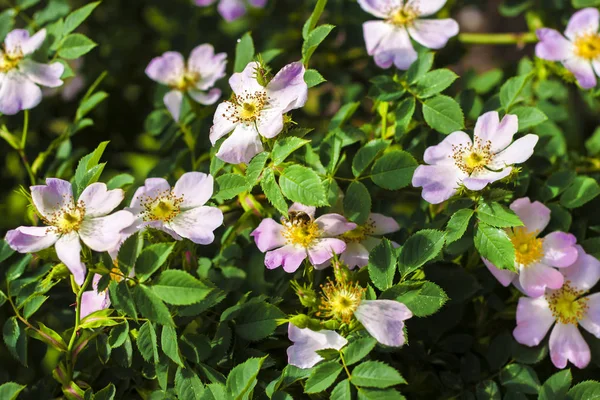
87, 281
498, 38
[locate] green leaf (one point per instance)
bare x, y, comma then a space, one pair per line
382, 265
180, 288
16, 269
457, 225
5, 250
423, 299
169, 344
557, 183
286, 146
151, 259
367, 154
230, 185
585, 3
520, 377
98, 319
488, 390
15, 340
77, 17
379, 394
83, 178
242, 378
528, 117
312, 77
357, 203
495, 214
485, 82
273, 192
129, 252
108, 393
257, 321
33, 304
314, 39
121, 298
494, 245
244, 52
255, 169
511, 90
586, 390
343, 114
303, 185
146, 342
151, 306
120, 181
75, 45
49, 336
10, 390
404, 114
187, 385
394, 170
322, 376
582, 190
358, 349
593, 143
342, 391
557, 386
420, 248
443, 114
313, 19
89, 104
7, 21
419, 67
434, 82
375, 374
118, 334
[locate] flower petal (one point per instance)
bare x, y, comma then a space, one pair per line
68, 250
480, 179
303, 353
433, 33
18, 93
209, 65
198, 224
535, 216
333, 225
534, 319
257, 3
288, 90
535, 278
396, 48
104, 233
231, 10
19, 41
552, 45
268, 235
567, 344
52, 197
270, 122
584, 273
196, 188
374, 33
243, 144
205, 98
167, 69
384, 320
245, 81
43, 74
151, 189
30, 239
583, 71
355, 255
591, 320
99, 201
310, 210
380, 8
559, 249
322, 250
499, 134
92, 301
222, 122
439, 182
380, 224
504, 276
442, 153
583, 22
426, 7
518, 152
289, 256
173, 101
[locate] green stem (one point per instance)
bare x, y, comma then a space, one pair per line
345, 366
188, 138
87, 281
21, 150
498, 38
25, 128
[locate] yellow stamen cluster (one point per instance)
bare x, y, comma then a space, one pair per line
163, 207
246, 108
359, 233
528, 248
116, 274
9, 61
472, 158
588, 46
566, 304
68, 218
300, 229
187, 81
340, 300
405, 16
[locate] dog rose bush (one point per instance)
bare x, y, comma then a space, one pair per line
269, 199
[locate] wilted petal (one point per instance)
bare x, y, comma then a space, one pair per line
103, 233
52, 197
222, 122
380, 8
535, 216
552, 46
559, 249
205, 98
567, 344
384, 320
19, 41
355, 255
167, 69
288, 90
583, 71
584, 273
196, 189
243, 144
268, 235
289, 256
245, 81
68, 250
535, 278
439, 182
518, 152
583, 22
534, 319
29, 239
591, 321
18, 93
43, 74
504, 276
303, 354
99, 201
334, 225
198, 224
433, 33
323, 250
173, 101
442, 153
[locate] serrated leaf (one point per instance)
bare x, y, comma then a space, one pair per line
169, 344
77, 17
322, 376
312, 21
313, 78
118, 334
358, 349
286, 146
367, 154
520, 377
257, 321
255, 169
511, 89
434, 82
75, 45
394, 170
303, 185
180, 288
494, 245
457, 225
151, 259
443, 114
242, 378
586, 390
187, 385
528, 117
557, 386
419, 67
15, 340
495, 214
382, 265
420, 248
230, 185
146, 342
121, 298
357, 203
314, 39
273, 192
375, 374
151, 306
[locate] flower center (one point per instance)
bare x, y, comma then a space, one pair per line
472, 158
300, 229
588, 46
67, 219
246, 108
405, 16
565, 304
187, 81
10, 61
340, 300
164, 207
356, 235
528, 248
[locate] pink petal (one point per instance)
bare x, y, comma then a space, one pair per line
504, 276
382, 225
303, 353
43, 74
584, 273
99, 201
334, 225
384, 320
222, 121
270, 122
152, 188
433, 33
167, 69
268, 235
243, 144
231, 10
426, 7
323, 250
583, 22
289, 256
518, 152
245, 81
439, 182
68, 250
196, 189
355, 255
205, 98
374, 33
173, 101
209, 65
442, 153
18, 93
257, 3
380, 8
535, 216
288, 90
104, 233
92, 301
31, 239
18, 41
395, 48
535, 278
50, 198
583, 71
552, 45
591, 321
197, 224
534, 319
567, 344
480, 179
498, 133
559, 249
310, 210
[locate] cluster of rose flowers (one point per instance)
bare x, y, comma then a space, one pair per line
553, 272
